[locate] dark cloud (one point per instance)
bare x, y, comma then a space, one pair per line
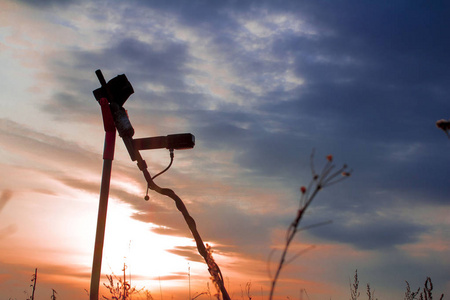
371, 233
367, 76
222, 130
367, 84
188, 252
49, 3
143, 63
370, 96
206, 14
162, 63
69, 106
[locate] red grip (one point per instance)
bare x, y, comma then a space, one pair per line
110, 129
110, 140
108, 121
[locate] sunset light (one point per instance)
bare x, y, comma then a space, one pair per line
264, 150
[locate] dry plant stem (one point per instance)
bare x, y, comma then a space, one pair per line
319, 181
213, 268
354, 287
410, 295
34, 280
290, 236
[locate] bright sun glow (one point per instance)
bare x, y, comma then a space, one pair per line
145, 252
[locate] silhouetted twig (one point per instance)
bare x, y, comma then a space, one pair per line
370, 293
325, 178
53, 296
427, 294
410, 295
354, 294
34, 280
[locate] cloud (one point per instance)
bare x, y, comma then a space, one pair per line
188, 252
10, 229
162, 64
67, 280
221, 223
4, 198
260, 86
206, 202
371, 233
43, 149
174, 276
143, 63
48, 3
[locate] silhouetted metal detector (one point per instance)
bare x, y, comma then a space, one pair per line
111, 96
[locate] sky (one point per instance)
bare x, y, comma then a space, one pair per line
261, 85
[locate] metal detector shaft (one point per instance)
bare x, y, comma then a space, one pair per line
112, 96
108, 156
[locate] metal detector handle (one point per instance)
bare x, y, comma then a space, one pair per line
110, 129
108, 121
108, 156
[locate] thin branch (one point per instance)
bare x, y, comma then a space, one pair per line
318, 181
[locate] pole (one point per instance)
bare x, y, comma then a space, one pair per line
108, 156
